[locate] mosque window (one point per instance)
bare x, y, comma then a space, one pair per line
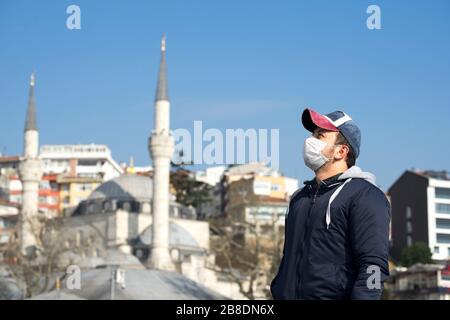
79, 238
126, 206
176, 255
91, 208
107, 206
139, 253
135, 206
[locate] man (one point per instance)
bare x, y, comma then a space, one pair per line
337, 226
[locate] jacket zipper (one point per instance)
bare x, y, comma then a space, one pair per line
299, 287
315, 195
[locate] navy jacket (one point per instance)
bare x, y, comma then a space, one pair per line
335, 261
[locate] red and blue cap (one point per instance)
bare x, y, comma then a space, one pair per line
337, 121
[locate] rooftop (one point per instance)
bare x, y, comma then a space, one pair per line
75, 148
6, 159
140, 284
433, 174
249, 168
417, 268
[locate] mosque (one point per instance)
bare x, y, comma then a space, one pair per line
130, 222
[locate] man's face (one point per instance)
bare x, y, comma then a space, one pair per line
329, 137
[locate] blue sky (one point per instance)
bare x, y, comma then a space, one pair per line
232, 64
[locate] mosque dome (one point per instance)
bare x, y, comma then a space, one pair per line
179, 237
180, 240
129, 192
125, 187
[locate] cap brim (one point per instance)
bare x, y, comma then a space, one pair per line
311, 120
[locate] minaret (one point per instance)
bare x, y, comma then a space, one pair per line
30, 172
161, 147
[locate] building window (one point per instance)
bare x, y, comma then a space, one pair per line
443, 223
442, 207
44, 184
442, 193
52, 200
443, 238
140, 253
91, 208
409, 241
408, 212
408, 227
275, 187
448, 253
79, 238
16, 198
66, 200
107, 206
87, 162
126, 206
436, 250
84, 187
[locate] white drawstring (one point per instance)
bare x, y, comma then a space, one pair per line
334, 195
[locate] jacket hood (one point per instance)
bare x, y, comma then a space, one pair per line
356, 172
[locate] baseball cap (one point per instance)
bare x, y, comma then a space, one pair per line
337, 121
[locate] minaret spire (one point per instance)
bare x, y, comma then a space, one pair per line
161, 88
161, 146
30, 172
30, 122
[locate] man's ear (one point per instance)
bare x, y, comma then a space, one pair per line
342, 151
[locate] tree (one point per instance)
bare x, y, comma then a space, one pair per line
35, 274
190, 192
247, 263
248, 250
419, 252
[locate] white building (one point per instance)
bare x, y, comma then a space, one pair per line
438, 193
9, 214
211, 176
420, 282
421, 212
84, 160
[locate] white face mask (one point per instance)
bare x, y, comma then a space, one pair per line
312, 153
